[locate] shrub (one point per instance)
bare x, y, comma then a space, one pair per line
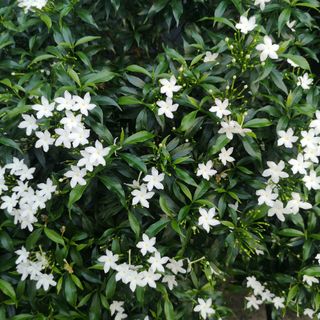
157, 156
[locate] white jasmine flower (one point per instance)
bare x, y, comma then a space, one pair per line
246, 25
312, 154
109, 260
206, 219
116, 306
278, 302
46, 190
253, 302
176, 266
79, 136
77, 176
315, 124
267, 196
23, 255
29, 123
292, 63
267, 49
154, 180
170, 280
146, 245
278, 210
44, 109
287, 138
66, 102
291, 24
309, 312
267, 296
83, 104
9, 202
295, 203
318, 258
169, 86
44, 140
157, 262
150, 278
29, 5
45, 280
120, 316
304, 81
64, 138
261, 3
206, 170
309, 280
71, 121
210, 57
204, 307
142, 195
232, 127
225, 155
167, 107
299, 164
312, 181
220, 108
275, 171
96, 154
252, 282
309, 138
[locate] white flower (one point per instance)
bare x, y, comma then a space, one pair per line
141, 195
157, 262
44, 140
170, 280
44, 109
120, 316
77, 176
295, 203
253, 283
204, 307
267, 196
220, 108
66, 102
30, 4
291, 24
95, 154
225, 155
275, 171
309, 138
169, 86
278, 210
175, 266
267, 296
309, 312
309, 280
210, 57
64, 138
292, 63
316, 123
29, 123
253, 302
318, 257
154, 179
206, 219
312, 181
9, 202
299, 164
278, 302
46, 190
83, 104
167, 107
109, 260
304, 81
116, 306
261, 3
205, 170
79, 136
312, 154
232, 127
71, 121
147, 244
267, 49
23, 255
287, 138
245, 25
45, 280
150, 278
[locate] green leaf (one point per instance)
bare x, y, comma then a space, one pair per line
188, 120
300, 61
177, 9
134, 161
76, 194
134, 224
164, 206
74, 76
128, 100
138, 69
54, 236
157, 6
283, 19
114, 185
10, 143
156, 227
98, 77
221, 142
168, 310
76, 281
185, 177
7, 289
289, 232
258, 123
312, 271
42, 57
70, 291
86, 39
46, 19
138, 137
251, 147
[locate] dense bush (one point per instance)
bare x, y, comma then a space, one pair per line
157, 156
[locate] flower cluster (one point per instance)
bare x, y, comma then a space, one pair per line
138, 275
32, 264
21, 200
31, 5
